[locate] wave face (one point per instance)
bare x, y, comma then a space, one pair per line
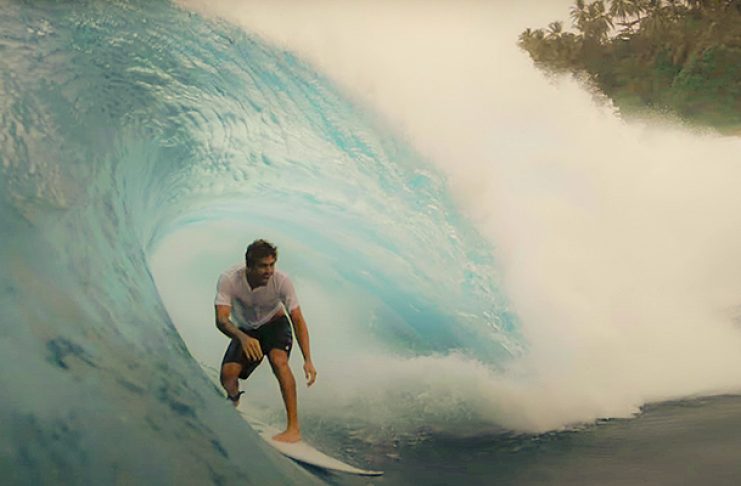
125, 121
616, 242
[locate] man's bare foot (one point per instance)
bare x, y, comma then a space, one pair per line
288, 436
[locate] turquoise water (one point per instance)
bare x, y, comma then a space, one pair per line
141, 146
122, 122
684, 442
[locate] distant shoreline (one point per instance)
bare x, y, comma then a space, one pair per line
680, 58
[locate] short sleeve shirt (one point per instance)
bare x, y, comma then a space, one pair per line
251, 308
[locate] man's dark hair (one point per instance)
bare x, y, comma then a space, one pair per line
259, 249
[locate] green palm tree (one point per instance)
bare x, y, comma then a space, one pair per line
533, 41
579, 15
555, 29
657, 21
599, 22
624, 9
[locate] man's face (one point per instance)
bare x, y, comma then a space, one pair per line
262, 270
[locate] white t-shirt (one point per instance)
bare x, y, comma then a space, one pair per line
251, 308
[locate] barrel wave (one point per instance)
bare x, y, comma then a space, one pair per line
122, 122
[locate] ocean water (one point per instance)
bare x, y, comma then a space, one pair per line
465, 325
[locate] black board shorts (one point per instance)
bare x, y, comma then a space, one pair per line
275, 334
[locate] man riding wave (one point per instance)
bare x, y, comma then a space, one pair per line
257, 296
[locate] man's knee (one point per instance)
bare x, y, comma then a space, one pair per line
230, 371
278, 359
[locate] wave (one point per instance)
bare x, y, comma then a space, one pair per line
615, 242
143, 145
125, 122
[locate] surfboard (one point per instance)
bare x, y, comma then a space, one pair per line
304, 453
300, 452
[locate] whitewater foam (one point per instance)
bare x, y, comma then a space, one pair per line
618, 242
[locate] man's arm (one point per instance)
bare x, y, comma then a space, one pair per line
302, 335
250, 345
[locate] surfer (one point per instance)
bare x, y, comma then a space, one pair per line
257, 296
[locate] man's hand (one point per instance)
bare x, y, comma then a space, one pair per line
310, 373
252, 349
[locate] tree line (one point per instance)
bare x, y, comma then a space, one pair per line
680, 56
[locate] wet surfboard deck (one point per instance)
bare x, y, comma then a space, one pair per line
304, 453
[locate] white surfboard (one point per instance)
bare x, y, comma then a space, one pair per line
304, 453
298, 451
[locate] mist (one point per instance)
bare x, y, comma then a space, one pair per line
618, 241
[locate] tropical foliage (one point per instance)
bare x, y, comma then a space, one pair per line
682, 56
